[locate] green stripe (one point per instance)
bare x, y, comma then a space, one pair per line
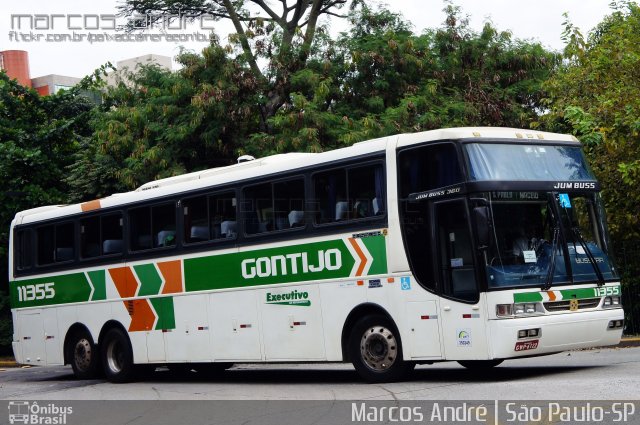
578, 293
150, 280
218, 272
527, 297
225, 271
97, 278
376, 247
164, 309
69, 288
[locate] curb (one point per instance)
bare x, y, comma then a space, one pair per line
630, 342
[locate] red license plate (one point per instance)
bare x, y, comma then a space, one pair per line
526, 345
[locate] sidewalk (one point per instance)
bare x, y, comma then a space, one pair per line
630, 341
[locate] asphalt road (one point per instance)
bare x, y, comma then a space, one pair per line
604, 374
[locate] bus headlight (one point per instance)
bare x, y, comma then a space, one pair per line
519, 309
611, 302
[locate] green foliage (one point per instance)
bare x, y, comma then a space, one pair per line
6, 326
596, 96
380, 78
38, 138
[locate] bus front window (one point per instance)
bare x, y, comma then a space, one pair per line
532, 237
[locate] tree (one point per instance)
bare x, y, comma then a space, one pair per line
282, 36
596, 96
380, 78
38, 138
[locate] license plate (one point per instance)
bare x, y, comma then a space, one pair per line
526, 345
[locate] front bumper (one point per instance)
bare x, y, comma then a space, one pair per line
559, 332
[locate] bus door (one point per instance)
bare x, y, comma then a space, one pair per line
463, 316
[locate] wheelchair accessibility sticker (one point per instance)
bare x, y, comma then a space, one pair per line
405, 283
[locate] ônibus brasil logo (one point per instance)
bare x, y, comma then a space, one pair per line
25, 412
289, 298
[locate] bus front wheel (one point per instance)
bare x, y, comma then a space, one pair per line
117, 356
375, 350
83, 355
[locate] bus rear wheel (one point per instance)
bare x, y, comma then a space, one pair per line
480, 364
117, 356
83, 355
375, 350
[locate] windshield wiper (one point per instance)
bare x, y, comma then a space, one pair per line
552, 265
592, 259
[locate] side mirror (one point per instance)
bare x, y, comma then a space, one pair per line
483, 226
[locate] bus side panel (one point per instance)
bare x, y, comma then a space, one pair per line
30, 336
190, 340
53, 340
236, 332
338, 299
15, 343
292, 319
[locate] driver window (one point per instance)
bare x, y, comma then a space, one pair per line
457, 273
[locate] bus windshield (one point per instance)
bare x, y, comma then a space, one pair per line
499, 161
543, 239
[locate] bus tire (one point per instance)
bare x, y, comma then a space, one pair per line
117, 356
83, 355
376, 351
480, 364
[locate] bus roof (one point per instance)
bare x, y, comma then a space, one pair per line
279, 164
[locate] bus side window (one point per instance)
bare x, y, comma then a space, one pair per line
111, 234
223, 217
90, 237
45, 245
289, 204
163, 225
196, 220
331, 196
23, 249
351, 194
258, 209
65, 250
276, 206
366, 191
140, 228
55, 243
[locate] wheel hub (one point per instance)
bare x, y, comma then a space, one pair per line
82, 354
115, 356
378, 348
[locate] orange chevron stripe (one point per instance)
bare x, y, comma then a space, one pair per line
172, 273
552, 295
125, 281
363, 258
142, 316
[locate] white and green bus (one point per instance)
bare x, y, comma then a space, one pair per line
469, 244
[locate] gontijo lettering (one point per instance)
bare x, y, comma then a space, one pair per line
299, 262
